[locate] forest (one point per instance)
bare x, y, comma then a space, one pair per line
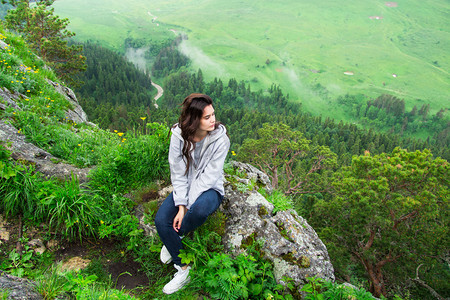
377, 197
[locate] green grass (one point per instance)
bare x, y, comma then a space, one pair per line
235, 38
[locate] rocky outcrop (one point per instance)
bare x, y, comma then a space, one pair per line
28, 153
18, 288
76, 113
287, 239
43, 161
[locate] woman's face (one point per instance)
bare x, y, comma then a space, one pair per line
208, 120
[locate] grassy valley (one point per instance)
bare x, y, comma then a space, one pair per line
314, 52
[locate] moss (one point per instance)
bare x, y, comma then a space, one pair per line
283, 231
303, 261
150, 207
298, 220
248, 241
216, 223
24, 162
262, 211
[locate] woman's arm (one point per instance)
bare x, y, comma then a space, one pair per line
178, 172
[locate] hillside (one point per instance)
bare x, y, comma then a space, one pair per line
314, 52
395, 201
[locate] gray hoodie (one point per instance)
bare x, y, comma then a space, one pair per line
208, 174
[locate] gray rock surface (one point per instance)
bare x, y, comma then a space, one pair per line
76, 114
18, 288
10, 98
41, 159
288, 240
31, 154
252, 173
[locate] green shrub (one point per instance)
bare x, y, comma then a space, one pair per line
318, 289
19, 189
51, 284
136, 161
280, 201
73, 211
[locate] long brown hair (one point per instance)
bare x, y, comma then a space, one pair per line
189, 121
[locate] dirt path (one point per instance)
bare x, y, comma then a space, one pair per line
160, 93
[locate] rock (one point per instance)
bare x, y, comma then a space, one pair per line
288, 241
252, 173
37, 245
149, 230
163, 193
41, 159
4, 233
76, 114
75, 264
10, 98
18, 288
52, 244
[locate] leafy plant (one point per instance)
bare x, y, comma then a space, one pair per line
4, 294
19, 189
19, 264
319, 289
280, 201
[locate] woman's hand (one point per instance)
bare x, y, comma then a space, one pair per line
179, 217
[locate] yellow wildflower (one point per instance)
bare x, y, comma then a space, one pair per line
120, 133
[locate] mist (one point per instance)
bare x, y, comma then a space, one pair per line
200, 59
137, 57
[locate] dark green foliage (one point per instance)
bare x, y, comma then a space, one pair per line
168, 60
114, 93
245, 276
319, 289
387, 211
387, 113
47, 35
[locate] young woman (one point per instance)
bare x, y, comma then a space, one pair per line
198, 148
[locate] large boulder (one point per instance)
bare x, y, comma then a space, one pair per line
288, 240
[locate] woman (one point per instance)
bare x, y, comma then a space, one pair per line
198, 148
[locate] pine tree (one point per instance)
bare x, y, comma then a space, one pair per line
47, 34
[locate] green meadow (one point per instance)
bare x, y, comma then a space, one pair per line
315, 51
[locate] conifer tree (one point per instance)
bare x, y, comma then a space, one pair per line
388, 210
47, 34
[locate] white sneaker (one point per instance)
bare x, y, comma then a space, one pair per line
180, 279
165, 255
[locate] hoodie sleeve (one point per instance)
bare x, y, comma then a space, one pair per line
177, 172
213, 171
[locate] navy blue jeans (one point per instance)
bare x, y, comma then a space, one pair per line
205, 205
